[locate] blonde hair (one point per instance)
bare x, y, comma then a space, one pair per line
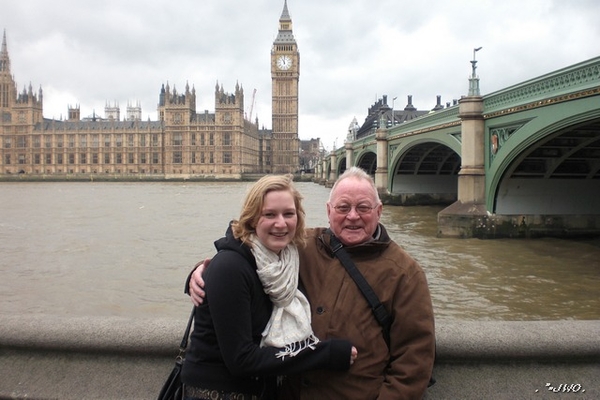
255, 200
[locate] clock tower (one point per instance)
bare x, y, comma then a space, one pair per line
285, 74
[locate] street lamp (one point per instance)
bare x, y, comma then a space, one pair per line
393, 119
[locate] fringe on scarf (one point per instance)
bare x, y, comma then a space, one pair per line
293, 349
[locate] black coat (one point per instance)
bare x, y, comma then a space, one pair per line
224, 350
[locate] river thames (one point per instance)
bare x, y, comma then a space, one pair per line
125, 249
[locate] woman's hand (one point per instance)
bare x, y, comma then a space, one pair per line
353, 355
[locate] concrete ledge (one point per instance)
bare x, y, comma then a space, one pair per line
91, 334
514, 341
51, 357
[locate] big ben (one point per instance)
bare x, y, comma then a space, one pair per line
285, 74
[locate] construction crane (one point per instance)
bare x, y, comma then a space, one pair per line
252, 105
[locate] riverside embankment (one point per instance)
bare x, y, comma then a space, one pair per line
56, 357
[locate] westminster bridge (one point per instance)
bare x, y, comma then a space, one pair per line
520, 162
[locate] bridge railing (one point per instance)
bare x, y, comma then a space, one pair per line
577, 77
426, 122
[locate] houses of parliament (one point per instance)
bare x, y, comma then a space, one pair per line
182, 143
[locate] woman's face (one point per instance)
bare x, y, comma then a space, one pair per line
276, 226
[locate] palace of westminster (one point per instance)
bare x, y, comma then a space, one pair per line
183, 143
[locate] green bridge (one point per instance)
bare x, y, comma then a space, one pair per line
520, 162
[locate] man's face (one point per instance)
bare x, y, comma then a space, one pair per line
359, 224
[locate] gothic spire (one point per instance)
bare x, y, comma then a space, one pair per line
285, 34
285, 15
4, 59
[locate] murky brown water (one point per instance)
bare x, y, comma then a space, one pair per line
126, 248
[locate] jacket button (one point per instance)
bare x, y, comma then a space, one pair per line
320, 310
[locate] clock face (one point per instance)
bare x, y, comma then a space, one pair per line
284, 62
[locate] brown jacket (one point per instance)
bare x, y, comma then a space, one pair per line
339, 310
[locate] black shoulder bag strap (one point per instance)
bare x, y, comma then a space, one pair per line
381, 314
186, 335
379, 311
173, 387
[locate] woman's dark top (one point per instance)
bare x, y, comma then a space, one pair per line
224, 352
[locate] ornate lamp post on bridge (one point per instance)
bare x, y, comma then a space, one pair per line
469, 212
393, 119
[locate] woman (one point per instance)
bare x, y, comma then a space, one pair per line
255, 323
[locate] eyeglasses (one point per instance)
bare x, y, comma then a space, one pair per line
361, 209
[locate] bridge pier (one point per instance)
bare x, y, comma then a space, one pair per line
349, 155
381, 173
323, 177
317, 175
464, 217
333, 171
458, 221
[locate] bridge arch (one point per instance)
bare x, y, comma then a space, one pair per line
425, 172
341, 167
328, 168
549, 165
367, 160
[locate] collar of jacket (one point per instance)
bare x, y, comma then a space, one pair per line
379, 241
229, 242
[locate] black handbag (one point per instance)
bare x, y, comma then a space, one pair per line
173, 387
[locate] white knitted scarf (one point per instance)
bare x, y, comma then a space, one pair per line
289, 327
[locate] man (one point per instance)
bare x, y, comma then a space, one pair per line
339, 310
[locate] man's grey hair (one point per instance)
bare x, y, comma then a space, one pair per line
356, 173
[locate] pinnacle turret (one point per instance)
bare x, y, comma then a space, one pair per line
4, 59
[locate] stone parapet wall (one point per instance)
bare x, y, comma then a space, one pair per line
56, 357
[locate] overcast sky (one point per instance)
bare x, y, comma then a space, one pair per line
351, 52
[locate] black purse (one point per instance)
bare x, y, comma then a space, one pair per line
173, 387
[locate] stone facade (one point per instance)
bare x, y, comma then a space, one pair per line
182, 143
